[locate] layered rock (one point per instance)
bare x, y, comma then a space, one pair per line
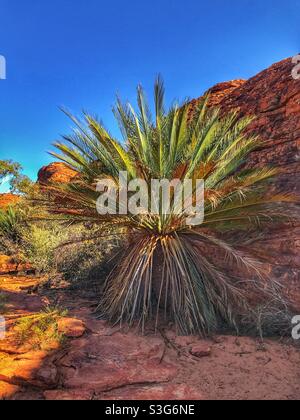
273, 96
219, 92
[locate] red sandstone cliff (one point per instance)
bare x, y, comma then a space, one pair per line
274, 97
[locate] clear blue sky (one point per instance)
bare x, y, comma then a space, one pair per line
79, 53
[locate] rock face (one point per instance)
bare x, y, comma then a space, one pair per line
7, 200
219, 92
56, 172
273, 96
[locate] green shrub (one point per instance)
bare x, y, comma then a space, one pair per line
39, 245
84, 262
10, 223
13, 221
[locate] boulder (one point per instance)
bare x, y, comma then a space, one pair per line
71, 327
56, 172
201, 350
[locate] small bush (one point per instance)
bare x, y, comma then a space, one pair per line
39, 245
267, 321
12, 222
86, 263
14, 226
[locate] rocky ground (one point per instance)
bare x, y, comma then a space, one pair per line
97, 361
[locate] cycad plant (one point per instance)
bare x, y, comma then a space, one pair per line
192, 275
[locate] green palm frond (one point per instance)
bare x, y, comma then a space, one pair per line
10, 221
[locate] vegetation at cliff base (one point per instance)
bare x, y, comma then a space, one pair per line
197, 277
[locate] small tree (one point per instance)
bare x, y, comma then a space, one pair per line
12, 171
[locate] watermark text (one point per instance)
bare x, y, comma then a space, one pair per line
2, 328
296, 69
2, 67
296, 329
158, 197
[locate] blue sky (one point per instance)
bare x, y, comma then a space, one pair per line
80, 53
